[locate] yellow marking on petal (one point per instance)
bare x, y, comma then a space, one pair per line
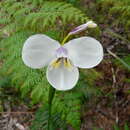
56, 63
67, 63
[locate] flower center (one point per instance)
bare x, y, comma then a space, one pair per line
61, 52
62, 62
62, 59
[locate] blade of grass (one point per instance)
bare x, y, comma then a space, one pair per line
119, 59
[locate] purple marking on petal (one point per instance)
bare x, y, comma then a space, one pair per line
61, 52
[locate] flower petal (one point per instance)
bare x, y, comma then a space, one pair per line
62, 78
85, 52
39, 50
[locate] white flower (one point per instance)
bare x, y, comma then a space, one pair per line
63, 61
89, 24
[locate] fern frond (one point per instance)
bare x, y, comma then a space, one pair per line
40, 18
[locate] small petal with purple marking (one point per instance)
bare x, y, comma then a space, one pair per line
62, 61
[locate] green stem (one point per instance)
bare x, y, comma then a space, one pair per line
118, 58
50, 99
65, 39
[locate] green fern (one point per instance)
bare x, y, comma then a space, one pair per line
41, 120
29, 16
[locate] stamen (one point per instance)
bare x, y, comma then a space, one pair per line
61, 61
67, 63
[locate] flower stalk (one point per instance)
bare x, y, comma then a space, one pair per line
50, 99
65, 39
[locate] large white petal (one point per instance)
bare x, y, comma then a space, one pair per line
39, 50
85, 52
62, 78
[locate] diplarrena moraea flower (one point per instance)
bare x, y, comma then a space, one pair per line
63, 61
